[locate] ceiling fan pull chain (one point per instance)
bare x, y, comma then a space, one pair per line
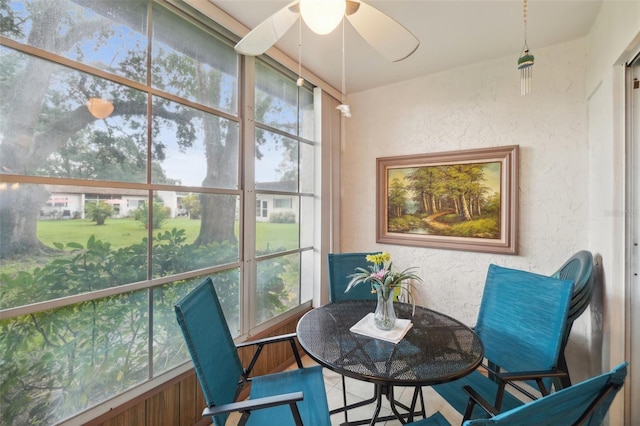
344, 66
345, 110
300, 81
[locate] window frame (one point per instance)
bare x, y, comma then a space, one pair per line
247, 257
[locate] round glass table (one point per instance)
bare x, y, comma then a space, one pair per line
436, 349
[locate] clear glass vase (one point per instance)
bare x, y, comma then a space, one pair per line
385, 315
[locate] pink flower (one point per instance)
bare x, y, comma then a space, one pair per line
380, 274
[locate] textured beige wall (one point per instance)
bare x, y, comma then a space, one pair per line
474, 107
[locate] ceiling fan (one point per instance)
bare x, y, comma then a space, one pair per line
384, 34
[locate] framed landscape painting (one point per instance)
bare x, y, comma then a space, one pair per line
458, 200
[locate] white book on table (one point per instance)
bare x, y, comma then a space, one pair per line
367, 327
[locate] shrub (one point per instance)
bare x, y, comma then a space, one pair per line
282, 217
99, 212
160, 214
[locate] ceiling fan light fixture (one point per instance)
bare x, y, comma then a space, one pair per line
100, 108
322, 16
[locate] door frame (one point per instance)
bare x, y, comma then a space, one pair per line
632, 237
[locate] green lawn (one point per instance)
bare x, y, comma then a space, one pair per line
126, 232
119, 232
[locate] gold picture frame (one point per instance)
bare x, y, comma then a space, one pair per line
457, 200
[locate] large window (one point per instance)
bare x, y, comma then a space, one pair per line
121, 188
283, 167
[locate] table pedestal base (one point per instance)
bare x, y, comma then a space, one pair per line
386, 391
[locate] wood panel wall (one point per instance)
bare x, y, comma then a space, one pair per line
180, 402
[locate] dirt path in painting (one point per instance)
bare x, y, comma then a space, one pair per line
432, 221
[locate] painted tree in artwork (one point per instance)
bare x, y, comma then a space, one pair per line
397, 198
423, 181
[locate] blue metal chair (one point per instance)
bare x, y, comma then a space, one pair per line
521, 322
341, 265
579, 268
291, 397
585, 403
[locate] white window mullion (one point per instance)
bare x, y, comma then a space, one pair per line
248, 243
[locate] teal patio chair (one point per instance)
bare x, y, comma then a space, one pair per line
579, 268
291, 397
521, 322
585, 403
341, 265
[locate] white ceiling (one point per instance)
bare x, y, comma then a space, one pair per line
452, 33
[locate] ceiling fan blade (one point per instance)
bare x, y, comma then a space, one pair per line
269, 31
383, 33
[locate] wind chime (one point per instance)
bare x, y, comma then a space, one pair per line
525, 62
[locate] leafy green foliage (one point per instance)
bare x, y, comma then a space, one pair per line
381, 276
61, 361
275, 289
191, 203
60, 380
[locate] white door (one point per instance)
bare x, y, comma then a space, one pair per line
634, 248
